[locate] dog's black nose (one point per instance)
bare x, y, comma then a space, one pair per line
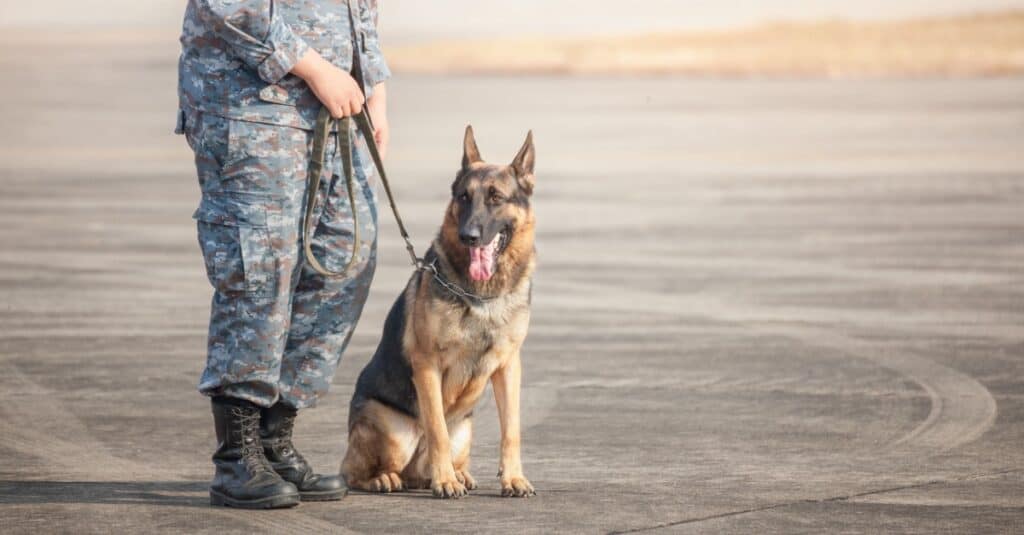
470, 237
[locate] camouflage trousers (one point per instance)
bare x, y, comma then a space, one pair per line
277, 328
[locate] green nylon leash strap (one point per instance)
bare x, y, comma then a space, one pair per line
366, 127
316, 167
321, 133
324, 122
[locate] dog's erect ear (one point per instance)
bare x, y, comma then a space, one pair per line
523, 164
470, 154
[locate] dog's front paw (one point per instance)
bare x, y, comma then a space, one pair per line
517, 487
466, 479
448, 488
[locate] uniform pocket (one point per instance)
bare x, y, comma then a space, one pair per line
277, 95
289, 91
189, 123
236, 243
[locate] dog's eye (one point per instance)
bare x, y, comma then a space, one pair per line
494, 196
464, 197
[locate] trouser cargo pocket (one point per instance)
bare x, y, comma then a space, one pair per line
236, 243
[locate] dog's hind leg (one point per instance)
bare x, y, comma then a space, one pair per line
380, 444
461, 438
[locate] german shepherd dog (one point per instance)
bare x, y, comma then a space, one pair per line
410, 419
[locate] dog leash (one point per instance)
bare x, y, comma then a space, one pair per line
322, 131
344, 143
343, 126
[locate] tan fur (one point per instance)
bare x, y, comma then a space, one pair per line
454, 350
381, 442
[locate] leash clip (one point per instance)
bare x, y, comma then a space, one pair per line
417, 262
422, 265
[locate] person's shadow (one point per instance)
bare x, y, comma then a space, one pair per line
174, 493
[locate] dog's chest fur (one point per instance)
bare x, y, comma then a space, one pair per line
474, 340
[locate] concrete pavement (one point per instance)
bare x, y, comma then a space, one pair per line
768, 307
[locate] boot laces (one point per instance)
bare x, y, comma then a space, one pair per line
252, 448
284, 444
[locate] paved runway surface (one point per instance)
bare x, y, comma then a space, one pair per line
768, 307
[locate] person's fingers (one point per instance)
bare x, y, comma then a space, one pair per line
357, 104
337, 111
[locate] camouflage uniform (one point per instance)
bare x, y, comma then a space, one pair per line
277, 328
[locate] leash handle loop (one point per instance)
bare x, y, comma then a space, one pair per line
344, 142
344, 129
364, 124
322, 131
316, 166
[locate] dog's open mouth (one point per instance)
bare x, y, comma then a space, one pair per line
483, 261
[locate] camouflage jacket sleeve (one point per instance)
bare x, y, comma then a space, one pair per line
254, 34
376, 69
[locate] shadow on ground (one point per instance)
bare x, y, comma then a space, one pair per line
171, 493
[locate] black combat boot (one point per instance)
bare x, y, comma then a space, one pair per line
276, 425
244, 477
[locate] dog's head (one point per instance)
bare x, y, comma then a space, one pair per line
490, 204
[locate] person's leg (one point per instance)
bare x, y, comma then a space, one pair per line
324, 313
251, 176
325, 310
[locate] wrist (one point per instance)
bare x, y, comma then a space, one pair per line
310, 66
378, 100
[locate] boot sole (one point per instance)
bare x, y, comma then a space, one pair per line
323, 495
270, 502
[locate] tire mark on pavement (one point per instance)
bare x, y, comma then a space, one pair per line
962, 409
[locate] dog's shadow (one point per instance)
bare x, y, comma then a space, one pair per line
168, 493
165, 493
426, 494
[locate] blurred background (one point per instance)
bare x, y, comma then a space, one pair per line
413, 20
780, 286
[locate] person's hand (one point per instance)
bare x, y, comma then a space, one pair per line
377, 105
335, 88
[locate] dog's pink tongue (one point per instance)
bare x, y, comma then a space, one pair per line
481, 261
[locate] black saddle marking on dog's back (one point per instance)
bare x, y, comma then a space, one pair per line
387, 378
